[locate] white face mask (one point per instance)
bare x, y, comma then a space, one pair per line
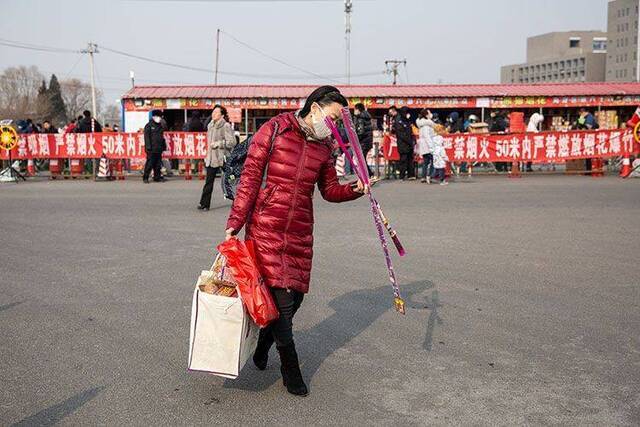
320, 128
156, 119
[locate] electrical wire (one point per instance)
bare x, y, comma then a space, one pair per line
266, 55
41, 48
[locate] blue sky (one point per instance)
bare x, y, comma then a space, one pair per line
461, 41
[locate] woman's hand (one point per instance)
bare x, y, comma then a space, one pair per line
361, 188
229, 234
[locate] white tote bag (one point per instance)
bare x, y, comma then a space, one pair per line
222, 336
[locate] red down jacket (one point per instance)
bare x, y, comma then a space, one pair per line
279, 217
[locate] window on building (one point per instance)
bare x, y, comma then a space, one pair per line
599, 44
627, 12
626, 26
574, 42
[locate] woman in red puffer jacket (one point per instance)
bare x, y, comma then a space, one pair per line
279, 217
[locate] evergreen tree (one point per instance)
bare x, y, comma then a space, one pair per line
43, 103
58, 108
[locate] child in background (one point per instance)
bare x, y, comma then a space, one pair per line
440, 158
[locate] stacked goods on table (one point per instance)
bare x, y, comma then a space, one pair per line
480, 127
560, 124
516, 122
607, 119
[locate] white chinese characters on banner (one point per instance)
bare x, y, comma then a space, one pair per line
536, 147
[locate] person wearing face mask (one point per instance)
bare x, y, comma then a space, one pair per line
220, 140
154, 145
294, 149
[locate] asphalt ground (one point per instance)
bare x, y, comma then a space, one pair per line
523, 307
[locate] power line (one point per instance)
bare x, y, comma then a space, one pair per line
41, 48
332, 77
266, 55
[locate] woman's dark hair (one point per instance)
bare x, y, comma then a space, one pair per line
324, 95
359, 106
424, 113
223, 111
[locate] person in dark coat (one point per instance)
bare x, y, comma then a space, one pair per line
195, 123
405, 141
364, 130
87, 124
279, 215
498, 124
154, 145
47, 128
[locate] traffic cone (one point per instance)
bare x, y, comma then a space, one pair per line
515, 170
625, 171
55, 168
634, 120
201, 170
104, 169
340, 165
187, 170
31, 168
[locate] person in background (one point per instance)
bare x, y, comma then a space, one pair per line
498, 124
472, 119
586, 121
154, 145
453, 123
364, 130
404, 137
392, 114
107, 128
47, 128
195, 123
220, 141
87, 124
534, 126
425, 143
116, 128
440, 158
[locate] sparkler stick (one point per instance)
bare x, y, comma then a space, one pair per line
398, 301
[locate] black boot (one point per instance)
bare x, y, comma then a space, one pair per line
261, 355
290, 369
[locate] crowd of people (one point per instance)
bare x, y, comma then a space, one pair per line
85, 123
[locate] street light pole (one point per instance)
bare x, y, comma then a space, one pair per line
215, 81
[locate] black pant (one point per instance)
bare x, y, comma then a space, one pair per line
427, 165
439, 174
205, 199
288, 303
154, 161
406, 165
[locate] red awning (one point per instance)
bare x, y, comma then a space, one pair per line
386, 91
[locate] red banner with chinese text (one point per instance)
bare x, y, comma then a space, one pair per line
529, 147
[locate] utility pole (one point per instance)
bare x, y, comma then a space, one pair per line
392, 67
348, 7
91, 49
217, 55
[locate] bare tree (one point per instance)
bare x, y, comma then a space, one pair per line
111, 114
77, 97
19, 92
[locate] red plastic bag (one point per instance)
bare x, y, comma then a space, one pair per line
244, 269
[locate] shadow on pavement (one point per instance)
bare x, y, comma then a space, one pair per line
354, 313
10, 305
54, 414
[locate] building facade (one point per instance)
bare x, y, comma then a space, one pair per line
622, 51
572, 56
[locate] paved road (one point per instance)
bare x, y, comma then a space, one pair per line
524, 307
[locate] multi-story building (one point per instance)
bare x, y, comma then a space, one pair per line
622, 51
571, 56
